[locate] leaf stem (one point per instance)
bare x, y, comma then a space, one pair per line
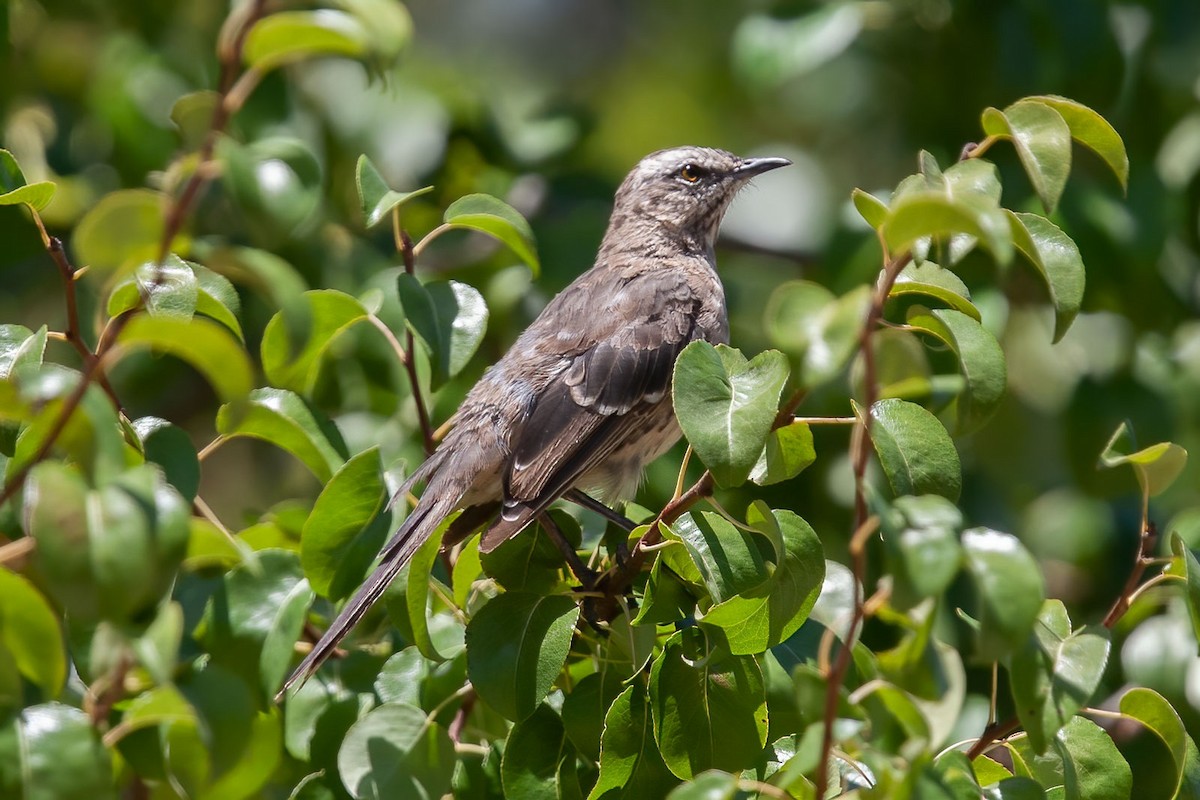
409, 256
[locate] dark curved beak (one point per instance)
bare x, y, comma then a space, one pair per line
757, 166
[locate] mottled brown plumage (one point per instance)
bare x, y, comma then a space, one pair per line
583, 397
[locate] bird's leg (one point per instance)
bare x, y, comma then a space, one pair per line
592, 504
586, 576
623, 522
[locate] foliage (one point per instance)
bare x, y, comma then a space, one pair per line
844, 633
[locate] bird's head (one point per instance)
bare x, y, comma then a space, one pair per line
687, 190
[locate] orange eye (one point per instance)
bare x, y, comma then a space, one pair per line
690, 173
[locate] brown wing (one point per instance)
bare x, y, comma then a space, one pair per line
600, 398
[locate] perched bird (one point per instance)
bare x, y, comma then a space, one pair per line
582, 400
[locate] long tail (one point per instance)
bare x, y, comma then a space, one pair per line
408, 538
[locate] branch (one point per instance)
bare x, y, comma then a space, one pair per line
408, 253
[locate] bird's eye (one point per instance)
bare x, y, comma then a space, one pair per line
690, 173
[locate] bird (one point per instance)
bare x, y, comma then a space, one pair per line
581, 402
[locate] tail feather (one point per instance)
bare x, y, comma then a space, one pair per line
408, 538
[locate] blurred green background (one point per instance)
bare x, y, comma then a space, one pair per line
547, 103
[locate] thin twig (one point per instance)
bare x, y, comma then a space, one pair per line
408, 254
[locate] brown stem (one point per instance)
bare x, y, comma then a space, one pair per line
410, 363
459, 723
860, 444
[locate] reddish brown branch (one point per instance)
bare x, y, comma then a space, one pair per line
410, 363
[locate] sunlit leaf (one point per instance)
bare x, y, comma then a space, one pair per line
1042, 139
1153, 712
1156, 466
980, 359
1056, 258
1010, 587
53, 752
919, 215
30, 632
285, 420
788, 452
395, 751
486, 214
869, 207
375, 196
210, 348
448, 317
124, 229
288, 36
630, 763
1093, 131
915, 451
330, 313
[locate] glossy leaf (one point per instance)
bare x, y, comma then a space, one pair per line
111, 552
1153, 712
532, 753
1187, 567
330, 313
788, 452
729, 560
1010, 586
1056, 258
395, 751
283, 419
122, 230
1156, 466
19, 347
869, 207
416, 594
1093, 767
346, 528
15, 189
929, 280
924, 214
1043, 143
726, 405
770, 613
273, 277
516, 646
92, 437
531, 562
915, 451
709, 711
448, 317
375, 196
52, 752
170, 290
486, 214
630, 764
920, 535
171, 448
255, 616
1056, 673
979, 357
207, 346
289, 36
30, 632
1092, 131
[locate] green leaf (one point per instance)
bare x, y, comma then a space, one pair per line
19, 347
790, 312
1093, 768
927, 279
30, 632
1010, 586
486, 214
1149, 709
217, 298
448, 317
14, 189
711, 785
709, 712
375, 196
1056, 258
273, 277
122, 230
275, 182
255, 616
256, 762
535, 747
346, 528
1056, 673
289, 36
170, 290
630, 764
870, 208
285, 420
205, 345
395, 751
108, 553
171, 448
416, 593
532, 561
1156, 466
516, 647
916, 453
1043, 143
1092, 131
1186, 566
1018, 788
728, 558
770, 613
980, 359
52, 752
920, 535
933, 213
726, 405
330, 313
788, 452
